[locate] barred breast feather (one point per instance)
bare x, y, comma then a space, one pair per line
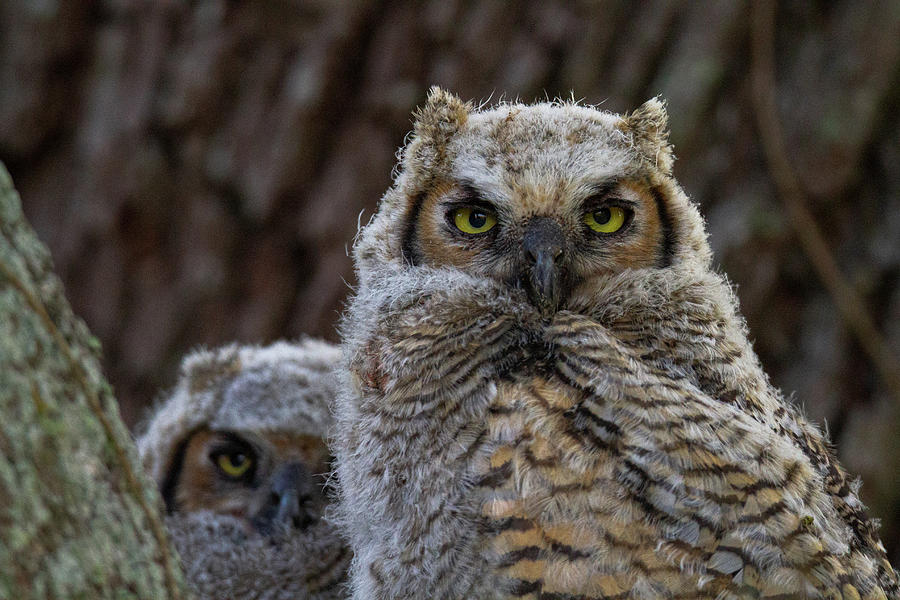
495, 454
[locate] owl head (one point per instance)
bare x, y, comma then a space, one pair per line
238, 451
543, 198
243, 434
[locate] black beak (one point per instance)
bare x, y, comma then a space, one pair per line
290, 501
544, 243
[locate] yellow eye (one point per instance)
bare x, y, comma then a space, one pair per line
471, 219
608, 219
234, 465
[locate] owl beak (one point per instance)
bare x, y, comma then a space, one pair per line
288, 502
544, 243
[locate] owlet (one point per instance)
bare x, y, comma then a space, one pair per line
549, 393
238, 452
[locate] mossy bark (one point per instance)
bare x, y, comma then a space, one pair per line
78, 518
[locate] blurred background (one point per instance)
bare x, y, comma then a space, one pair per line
199, 169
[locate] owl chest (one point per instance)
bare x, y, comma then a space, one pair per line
530, 452
556, 515
534, 488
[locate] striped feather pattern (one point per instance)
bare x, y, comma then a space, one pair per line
501, 455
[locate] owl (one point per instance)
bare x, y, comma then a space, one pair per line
548, 392
238, 451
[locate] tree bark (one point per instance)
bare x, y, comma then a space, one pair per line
78, 518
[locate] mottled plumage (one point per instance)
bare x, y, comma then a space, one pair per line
536, 411
239, 454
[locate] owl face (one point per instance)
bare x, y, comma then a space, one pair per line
545, 239
541, 198
271, 480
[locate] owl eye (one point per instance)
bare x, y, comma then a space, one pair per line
473, 219
607, 219
235, 465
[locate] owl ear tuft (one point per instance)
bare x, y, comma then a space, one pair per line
441, 116
649, 126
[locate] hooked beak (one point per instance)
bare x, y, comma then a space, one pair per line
544, 243
289, 501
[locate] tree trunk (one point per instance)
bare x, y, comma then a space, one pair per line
78, 518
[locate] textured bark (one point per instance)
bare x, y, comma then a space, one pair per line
78, 519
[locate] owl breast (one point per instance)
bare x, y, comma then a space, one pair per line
505, 491
560, 522
552, 460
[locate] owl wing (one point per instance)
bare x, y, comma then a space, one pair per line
694, 329
735, 503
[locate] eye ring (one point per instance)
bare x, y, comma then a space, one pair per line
607, 219
472, 220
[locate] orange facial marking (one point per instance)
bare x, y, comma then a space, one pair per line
643, 248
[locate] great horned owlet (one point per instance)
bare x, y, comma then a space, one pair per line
549, 393
238, 452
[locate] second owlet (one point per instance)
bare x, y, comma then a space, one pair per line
549, 393
238, 451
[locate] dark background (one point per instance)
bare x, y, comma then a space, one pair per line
199, 169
